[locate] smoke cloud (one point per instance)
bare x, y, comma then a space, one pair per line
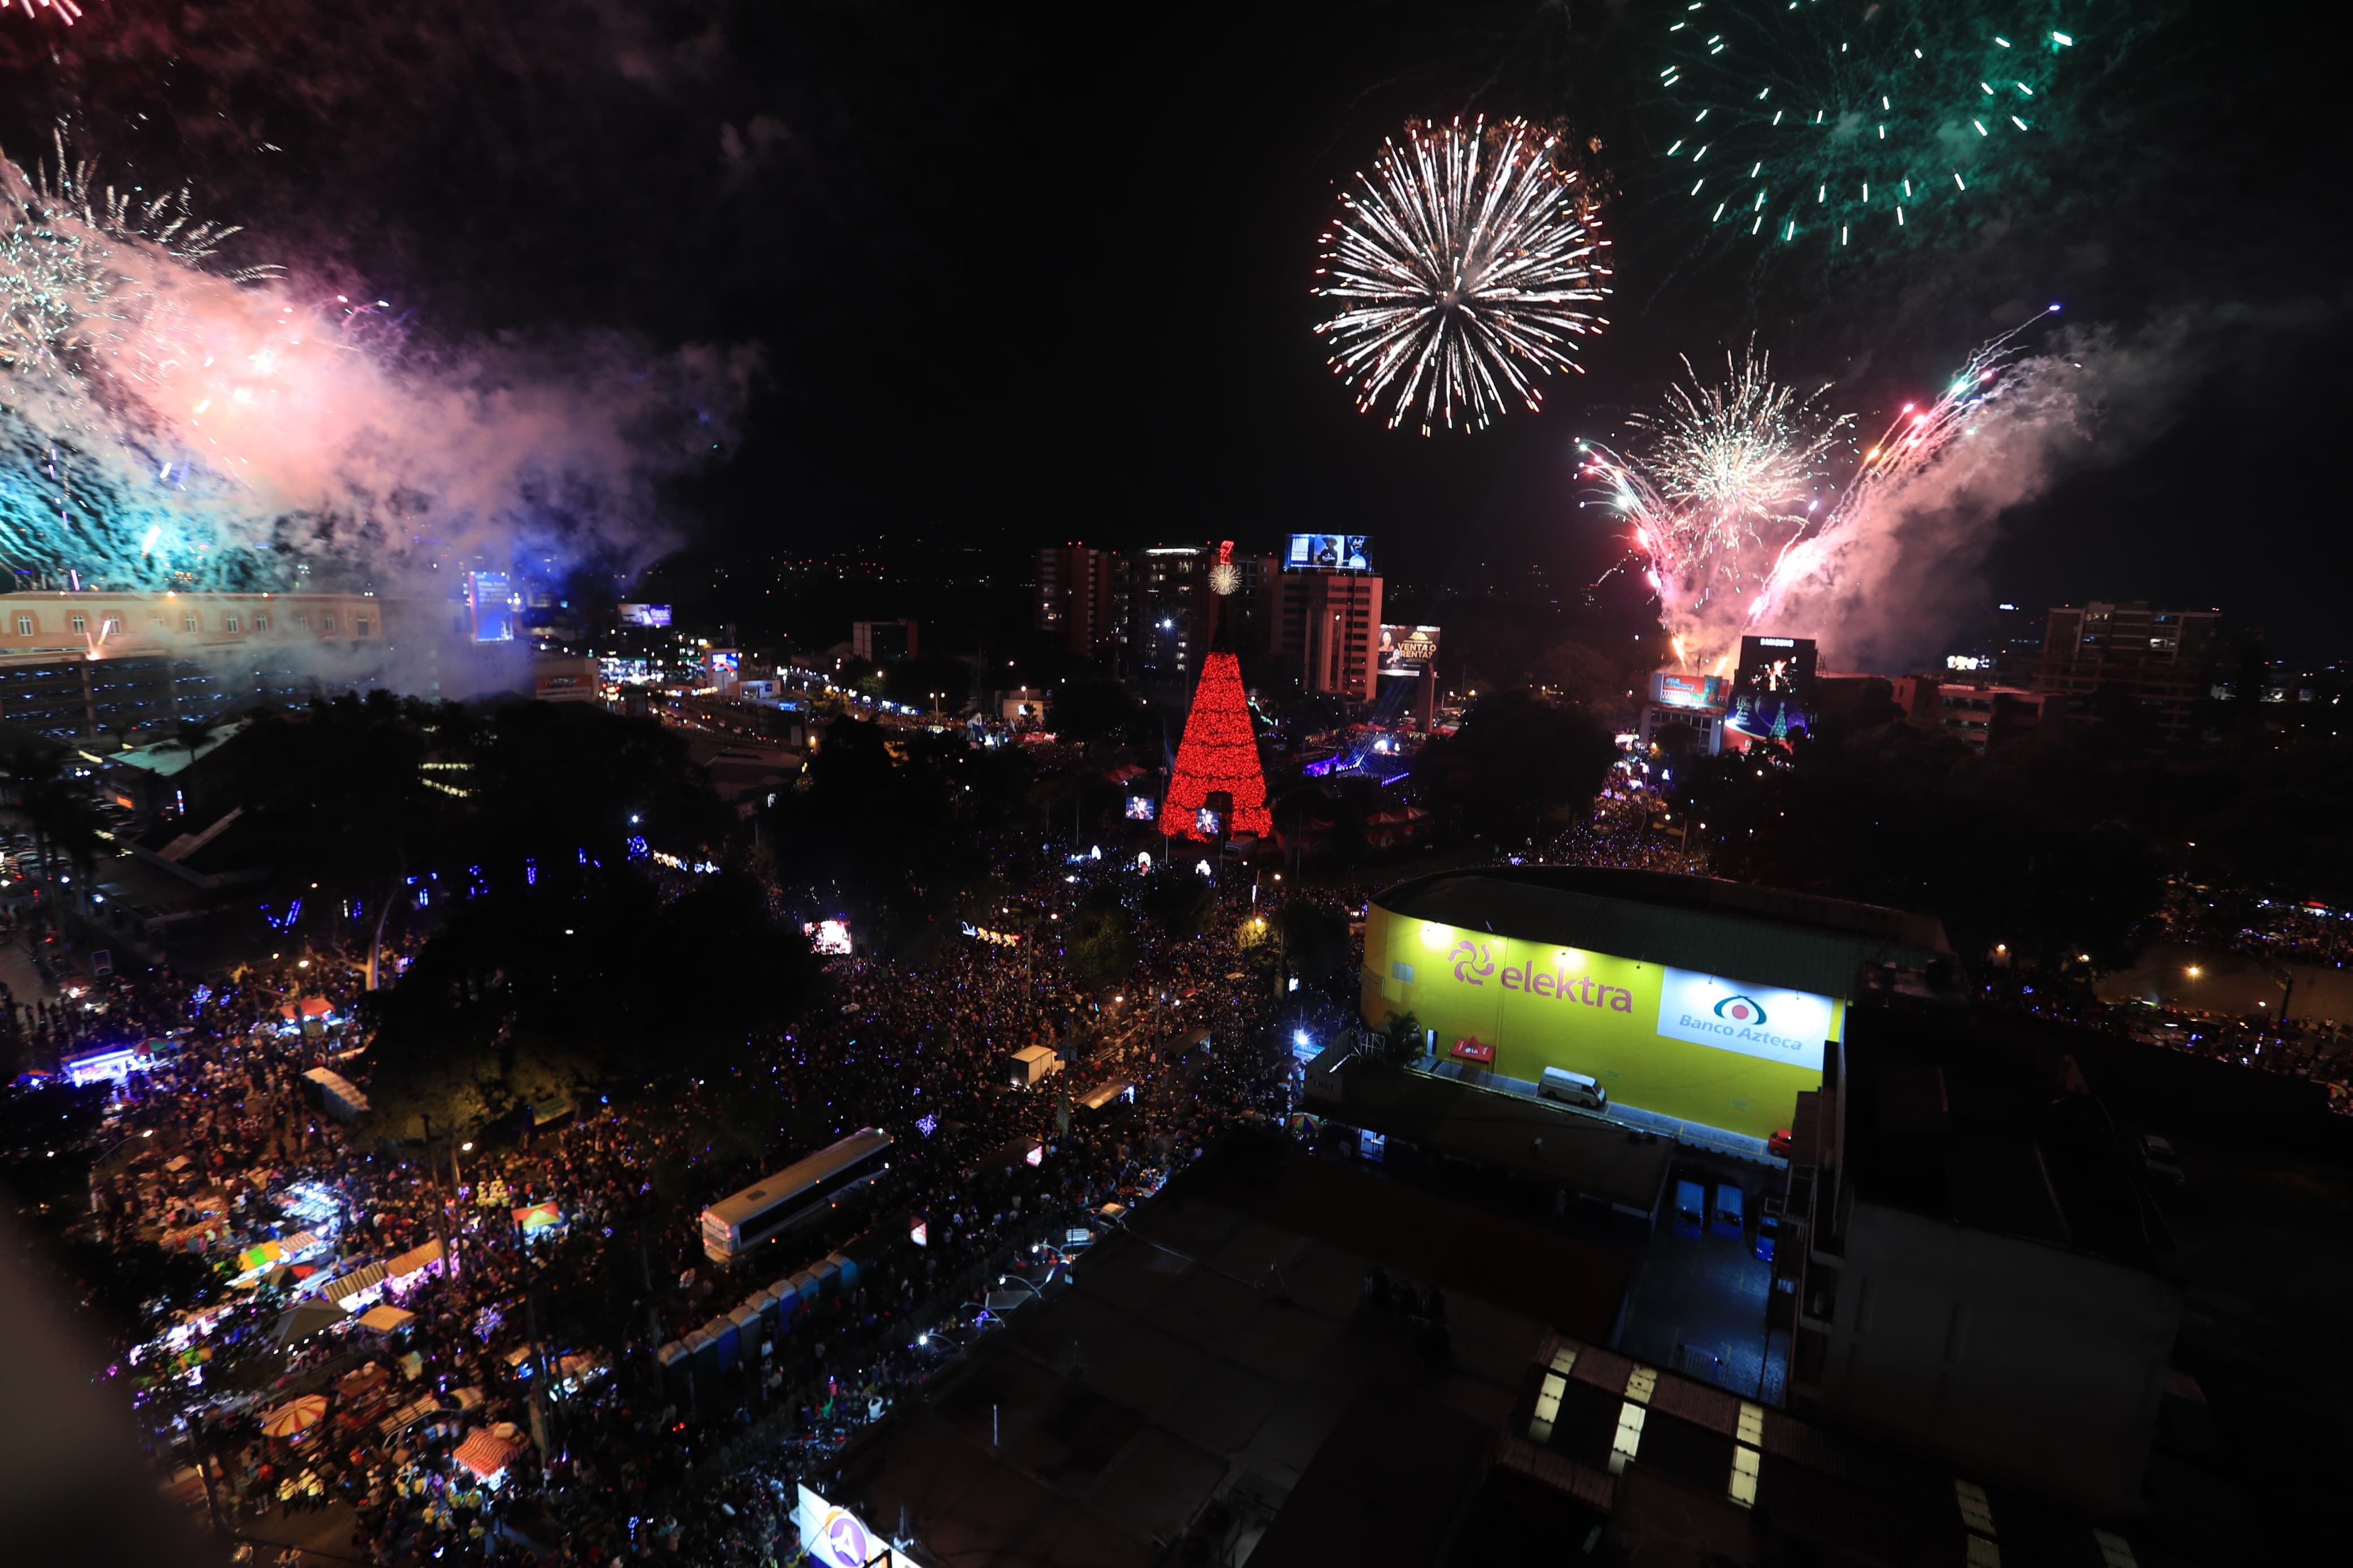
162, 425
1887, 581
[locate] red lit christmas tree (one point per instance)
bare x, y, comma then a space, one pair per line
1219, 756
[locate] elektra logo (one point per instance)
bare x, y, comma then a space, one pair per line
1472, 964
1740, 1010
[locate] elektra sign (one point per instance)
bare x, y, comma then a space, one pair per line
1754, 1020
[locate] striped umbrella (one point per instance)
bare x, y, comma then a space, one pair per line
296, 1417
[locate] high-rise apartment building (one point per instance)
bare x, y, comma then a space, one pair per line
2109, 660
1326, 629
1078, 597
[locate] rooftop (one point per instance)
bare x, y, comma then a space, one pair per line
1964, 1128
1766, 935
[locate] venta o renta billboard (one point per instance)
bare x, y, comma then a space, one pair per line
1702, 1048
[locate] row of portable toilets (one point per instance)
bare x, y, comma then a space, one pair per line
713, 1349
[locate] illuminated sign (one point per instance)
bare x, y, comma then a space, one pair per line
1709, 1048
1037, 1155
921, 1233
726, 664
645, 614
1000, 938
1967, 661
1328, 552
1142, 808
1773, 692
1754, 1020
491, 606
1407, 651
1671, 689
836, 1538
828, 936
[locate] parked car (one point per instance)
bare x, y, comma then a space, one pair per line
2163, 1163
1688, 1216
1768, 1231
1780, 1144
1729, 1216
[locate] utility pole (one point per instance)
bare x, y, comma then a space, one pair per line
441, 1210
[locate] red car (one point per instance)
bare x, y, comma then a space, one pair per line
1779, 1144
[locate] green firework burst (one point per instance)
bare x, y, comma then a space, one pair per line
1871, 123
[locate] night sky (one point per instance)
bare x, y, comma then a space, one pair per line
1021, 275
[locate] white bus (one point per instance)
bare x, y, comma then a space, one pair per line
734, 1225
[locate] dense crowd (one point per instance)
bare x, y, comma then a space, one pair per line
222, 1148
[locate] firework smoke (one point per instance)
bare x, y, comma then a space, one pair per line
161, 424
1720, 483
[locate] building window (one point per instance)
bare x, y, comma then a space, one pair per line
302, 622
24, 626
327, 621
360, 626
229, 623
188, 623
110, 625
82, 623
260, 622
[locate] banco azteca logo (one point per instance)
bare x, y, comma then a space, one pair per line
1739, 1009
1472, 964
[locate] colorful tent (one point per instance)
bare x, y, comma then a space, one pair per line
486, 1452
537, 1218
295, 1417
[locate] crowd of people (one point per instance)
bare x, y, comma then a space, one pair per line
222, 1148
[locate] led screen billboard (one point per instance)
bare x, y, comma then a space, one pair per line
1702, 1048
1773, 692
491, 606
645, 614
1407, 651
1327, 552
1672, 689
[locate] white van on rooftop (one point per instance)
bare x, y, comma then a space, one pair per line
1573, 1089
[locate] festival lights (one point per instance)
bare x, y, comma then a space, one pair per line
1218, 753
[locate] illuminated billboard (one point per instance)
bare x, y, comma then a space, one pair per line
1407, 651
492, 604
1672, 689
1143, 808
724, 666
645, 614
1773, 692
1327, 551
833, 1537
1702, 1047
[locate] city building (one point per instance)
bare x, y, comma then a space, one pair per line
2115, 662
1325, 625
879, 642
1706, 1002
1078, 597
1982, 717
1695, 702
94, 665
2018, 638
1976, 1269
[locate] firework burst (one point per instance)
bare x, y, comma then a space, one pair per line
1461, 269
65, 11
1861, 123
1731, 493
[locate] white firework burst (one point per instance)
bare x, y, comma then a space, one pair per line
1463, 269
